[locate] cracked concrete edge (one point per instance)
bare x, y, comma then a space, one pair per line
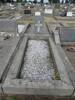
0, 89
12, 85
13, 51
24, 29
61, 66
56, 37
15, 67
8, 62
37, 88
69, 68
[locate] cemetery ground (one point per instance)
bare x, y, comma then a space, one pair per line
20, 83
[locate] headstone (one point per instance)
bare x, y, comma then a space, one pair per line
67, 34
48, 11
27, 11
69, 14
38, 21
38, 26
8, 25
19, 7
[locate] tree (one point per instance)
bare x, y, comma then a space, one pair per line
73, 1
56, 1
50, 1
25, 1
19, 1
2, 1
41, 1
35, 1
66, 1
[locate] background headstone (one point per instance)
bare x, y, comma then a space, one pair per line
48, 11
27, 11
69, 14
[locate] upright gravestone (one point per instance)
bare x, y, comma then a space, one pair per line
48, 11
38, 22
19, 6
69, 14
8, 25
67, 34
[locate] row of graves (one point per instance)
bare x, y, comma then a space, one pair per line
7, 11
64, 38
30, 62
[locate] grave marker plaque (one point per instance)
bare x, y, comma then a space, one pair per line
67, 34
8, 25
48, 11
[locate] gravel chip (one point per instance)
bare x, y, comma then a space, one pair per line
37, 61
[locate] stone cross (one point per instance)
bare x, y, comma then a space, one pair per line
38, 25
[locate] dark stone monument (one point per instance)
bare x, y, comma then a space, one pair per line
27, 11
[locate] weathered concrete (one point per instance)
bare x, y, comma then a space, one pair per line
14, 85
68, 64
56, 37
8, 25
67, 34
8, 49
43, 31
67, 57
0, 89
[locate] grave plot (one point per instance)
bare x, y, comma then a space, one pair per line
9, 43
37, 62
36, 70
67, 40
8, 46
11, 26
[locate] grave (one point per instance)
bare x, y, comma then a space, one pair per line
67, 38
29, 75
8, 48
66, 48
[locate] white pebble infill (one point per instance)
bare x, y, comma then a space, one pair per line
37, 62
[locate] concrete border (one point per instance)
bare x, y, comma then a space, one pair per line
13, 85
56, 37
16, 43
69, 67
7, 62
